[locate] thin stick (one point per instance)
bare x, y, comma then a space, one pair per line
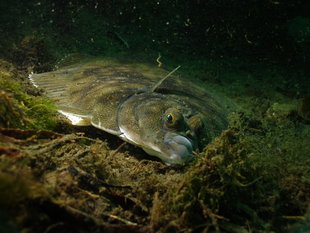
120, 219
163, 79
118, 148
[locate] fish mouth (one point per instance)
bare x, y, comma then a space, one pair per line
175, 150
181, 148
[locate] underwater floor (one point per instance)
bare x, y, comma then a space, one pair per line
254, 177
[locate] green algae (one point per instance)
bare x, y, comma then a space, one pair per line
254, 177
19, 109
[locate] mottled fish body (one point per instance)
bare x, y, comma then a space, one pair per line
169, 121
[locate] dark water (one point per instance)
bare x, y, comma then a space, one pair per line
255, 52
229, 32
255, 30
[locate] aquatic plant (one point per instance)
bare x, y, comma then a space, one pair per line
19, 109
245, 180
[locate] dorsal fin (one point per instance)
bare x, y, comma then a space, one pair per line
156, 85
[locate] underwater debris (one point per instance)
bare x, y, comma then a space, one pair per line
81, 180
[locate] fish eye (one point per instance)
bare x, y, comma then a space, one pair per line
173, 119
169, 117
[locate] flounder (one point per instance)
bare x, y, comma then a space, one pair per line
169, 118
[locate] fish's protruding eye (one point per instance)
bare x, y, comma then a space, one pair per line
169, 118
173, 119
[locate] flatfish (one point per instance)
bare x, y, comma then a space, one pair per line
165, 114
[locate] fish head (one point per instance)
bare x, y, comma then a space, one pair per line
163, 126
